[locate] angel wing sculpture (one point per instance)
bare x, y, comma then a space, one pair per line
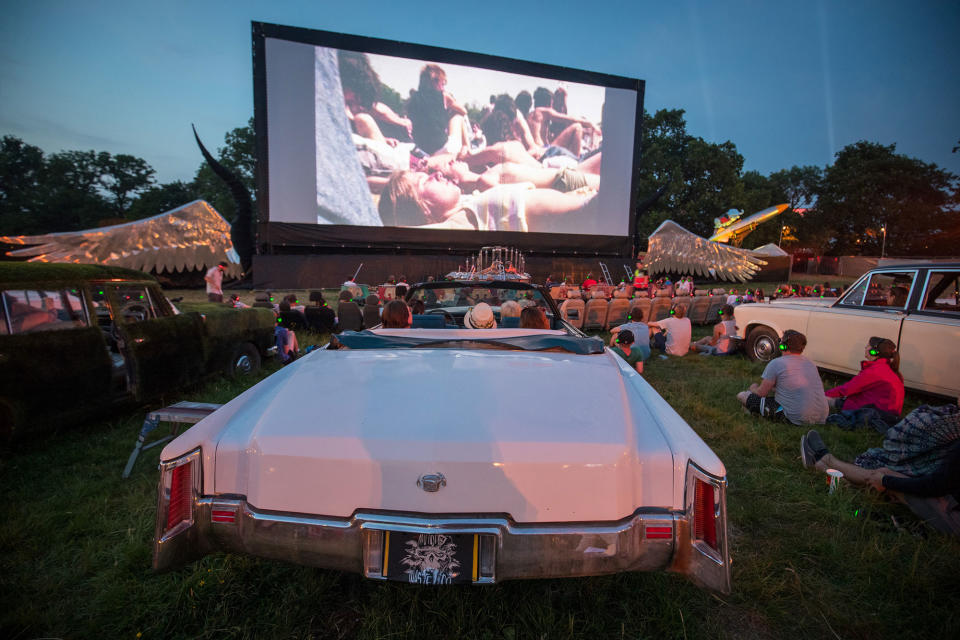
193, 236
673, 249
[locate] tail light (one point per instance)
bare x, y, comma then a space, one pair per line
705, 513
179, 486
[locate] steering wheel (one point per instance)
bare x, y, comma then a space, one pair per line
447, 318
136, 310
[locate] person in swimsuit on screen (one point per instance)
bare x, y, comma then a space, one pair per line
369, 117
417, 199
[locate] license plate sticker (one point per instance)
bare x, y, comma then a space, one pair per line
431, 558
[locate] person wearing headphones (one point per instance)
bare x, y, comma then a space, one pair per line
874, 397
624, 347
798, 390
639, 329
678, 330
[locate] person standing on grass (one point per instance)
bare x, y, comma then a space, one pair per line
679, 331
624, 347
798, 391
214, 279
918, 464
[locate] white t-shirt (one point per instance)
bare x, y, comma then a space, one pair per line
214, 280
679, 332
729, 330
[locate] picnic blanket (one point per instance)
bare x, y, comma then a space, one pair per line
918, 444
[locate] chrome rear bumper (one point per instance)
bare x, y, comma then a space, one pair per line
645, 541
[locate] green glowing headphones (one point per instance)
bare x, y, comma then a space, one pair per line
789, 333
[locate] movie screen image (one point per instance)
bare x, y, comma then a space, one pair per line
403, 142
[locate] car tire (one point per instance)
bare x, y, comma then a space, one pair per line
762, 344
244, 361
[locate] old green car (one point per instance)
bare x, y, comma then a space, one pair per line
76, 339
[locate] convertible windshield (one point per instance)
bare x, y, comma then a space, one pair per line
458, 295
371, 340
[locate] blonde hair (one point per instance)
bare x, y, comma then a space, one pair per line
400, 203
510, 309
679, 311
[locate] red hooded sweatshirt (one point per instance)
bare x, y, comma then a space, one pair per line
876, 385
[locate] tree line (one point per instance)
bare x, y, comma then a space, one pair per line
870, 191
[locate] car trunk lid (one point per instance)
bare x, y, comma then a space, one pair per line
542, 437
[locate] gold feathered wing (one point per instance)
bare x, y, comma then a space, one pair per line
673, 249
193, 236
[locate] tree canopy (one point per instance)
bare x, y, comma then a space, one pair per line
842, 208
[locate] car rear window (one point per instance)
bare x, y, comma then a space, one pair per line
29, 310
943, 292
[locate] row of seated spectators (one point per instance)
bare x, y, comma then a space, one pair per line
598, 313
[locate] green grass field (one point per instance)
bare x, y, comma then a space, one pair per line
75, 552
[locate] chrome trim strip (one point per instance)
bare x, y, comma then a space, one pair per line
522, 550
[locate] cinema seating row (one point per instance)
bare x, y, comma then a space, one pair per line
597, 313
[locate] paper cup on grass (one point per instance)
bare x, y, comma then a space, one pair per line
833, 479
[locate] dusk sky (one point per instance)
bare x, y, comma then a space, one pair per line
788, 83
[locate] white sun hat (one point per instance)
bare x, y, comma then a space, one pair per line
480, 317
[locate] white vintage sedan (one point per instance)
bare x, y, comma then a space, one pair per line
917, 306
448, 455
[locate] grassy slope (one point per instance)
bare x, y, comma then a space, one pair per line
75, 548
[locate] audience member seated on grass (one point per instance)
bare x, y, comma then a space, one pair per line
918, 464
236, 303
624, 347
291, 299
798, 391
874, 397
321, 317
533, 318
479, 316
721, 343
396, 315
639, 329
676, 341
288, 349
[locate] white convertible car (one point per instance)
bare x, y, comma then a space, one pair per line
439, 454
916, 305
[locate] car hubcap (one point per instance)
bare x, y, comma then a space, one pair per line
243, 364
764, 348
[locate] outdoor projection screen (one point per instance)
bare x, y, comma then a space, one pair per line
371, 143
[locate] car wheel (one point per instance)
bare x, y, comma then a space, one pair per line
762, 344
245, 361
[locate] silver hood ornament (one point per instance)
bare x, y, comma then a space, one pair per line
431, 482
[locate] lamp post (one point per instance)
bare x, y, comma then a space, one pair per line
782, 229
883, 247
